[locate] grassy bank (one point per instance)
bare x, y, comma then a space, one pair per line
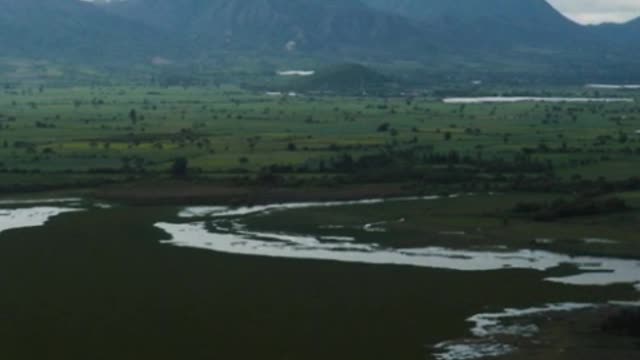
472, 221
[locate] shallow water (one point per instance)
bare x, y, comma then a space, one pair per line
237, 240
613, 86
29, 217
516, 99
223, 211
487, 326
296, 73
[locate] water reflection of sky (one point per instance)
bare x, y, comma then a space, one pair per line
236, 239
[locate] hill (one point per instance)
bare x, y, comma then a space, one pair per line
492, 24
72, 30
344, 78
342, 28
496, 40
520, 40
626, 34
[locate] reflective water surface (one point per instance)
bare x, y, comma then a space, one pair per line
515, 99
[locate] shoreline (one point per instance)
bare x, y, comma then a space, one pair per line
577, 335
576, 331
446, 226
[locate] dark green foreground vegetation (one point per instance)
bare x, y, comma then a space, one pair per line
99, 282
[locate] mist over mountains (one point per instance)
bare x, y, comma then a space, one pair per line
482, 34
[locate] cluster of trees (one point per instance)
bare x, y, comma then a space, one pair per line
418, 163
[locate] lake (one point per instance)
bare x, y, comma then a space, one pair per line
516, 99
613, 86
82, 279
296, 73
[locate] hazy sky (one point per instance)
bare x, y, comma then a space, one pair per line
597, 11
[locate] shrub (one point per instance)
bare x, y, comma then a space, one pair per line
180, 167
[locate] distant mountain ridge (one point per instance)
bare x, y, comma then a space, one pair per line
481, 35
278, 25
626, 34
71, 29
492, 23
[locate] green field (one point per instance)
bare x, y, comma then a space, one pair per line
99, 134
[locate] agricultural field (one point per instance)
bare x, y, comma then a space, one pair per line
92, 135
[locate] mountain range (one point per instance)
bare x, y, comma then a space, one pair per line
71, 30
490, 23
483, 34
276, 26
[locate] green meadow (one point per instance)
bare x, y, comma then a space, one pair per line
94, 134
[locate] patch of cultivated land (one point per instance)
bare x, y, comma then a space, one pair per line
92, 135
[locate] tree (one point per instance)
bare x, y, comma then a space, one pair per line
133, 116
384, 127
180, 167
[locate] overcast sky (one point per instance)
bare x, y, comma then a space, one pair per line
598, 11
